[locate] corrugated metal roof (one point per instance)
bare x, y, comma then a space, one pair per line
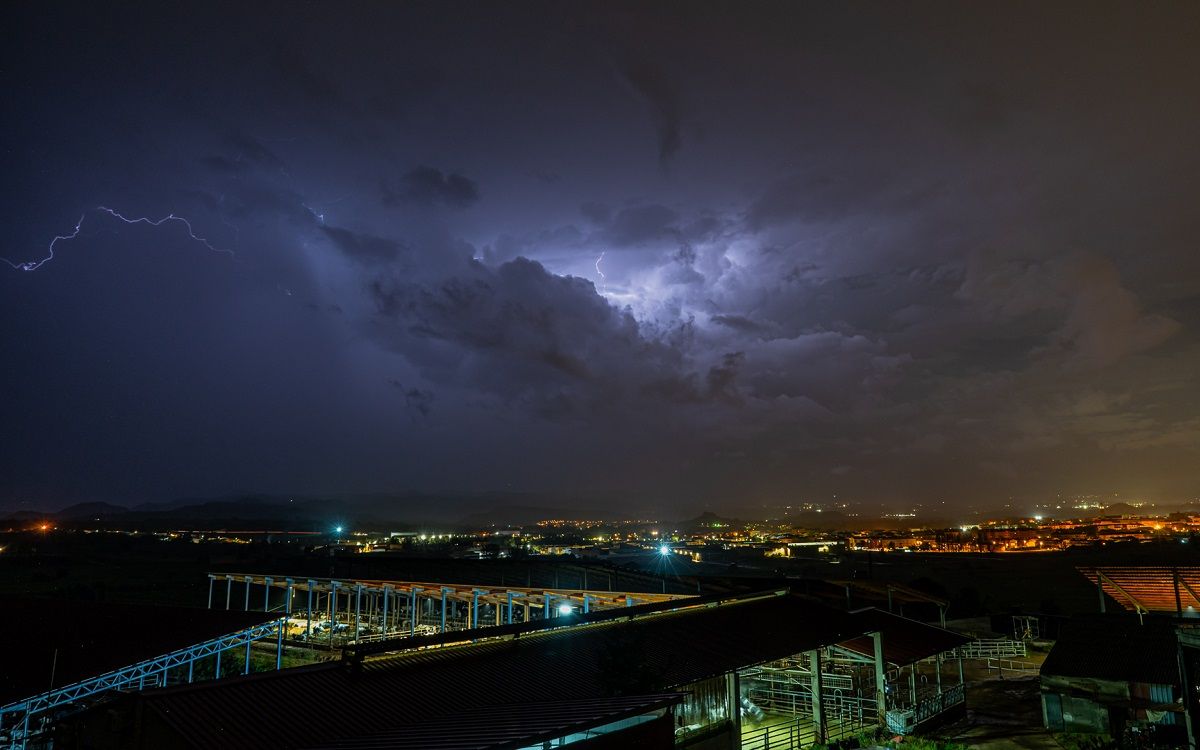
1150, 588
904, 641
299, 707
504, 727
1115, 647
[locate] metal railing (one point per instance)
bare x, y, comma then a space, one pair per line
939, 702
795, 733
1012, 665
904, 721
983, 648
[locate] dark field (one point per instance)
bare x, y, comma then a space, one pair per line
144, 569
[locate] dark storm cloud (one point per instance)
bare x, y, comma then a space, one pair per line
741, 323
651, 83
249, 200
597, 213
640, 224
895, 260
415, 399
427, 186
297, 73
517, 331
1100, 322
849, 190
363, 247
250, 152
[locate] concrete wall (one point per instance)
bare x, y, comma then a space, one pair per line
1066, 713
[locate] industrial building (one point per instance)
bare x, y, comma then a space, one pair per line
768, 669
1124, 670
334, 612
1106, 673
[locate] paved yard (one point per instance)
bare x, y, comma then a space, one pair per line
1002, 714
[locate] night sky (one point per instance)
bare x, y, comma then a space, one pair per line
681, 253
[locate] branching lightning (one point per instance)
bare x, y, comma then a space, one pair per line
169, 217
33, 265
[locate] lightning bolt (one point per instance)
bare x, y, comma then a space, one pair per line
603, 278
169, 217
33, 265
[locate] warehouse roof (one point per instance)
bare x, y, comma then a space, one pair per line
640, 654
1115, 647
505, 727
904, 641
1149, 588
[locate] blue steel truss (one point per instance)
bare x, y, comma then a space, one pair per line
16, 718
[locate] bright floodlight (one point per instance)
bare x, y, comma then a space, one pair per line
338, 530
664, 550
564, 609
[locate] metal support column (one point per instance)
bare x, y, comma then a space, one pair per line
357, 609
912, 685
287, 602
733, 707
818, 710
228, 590
444, 592
386, 589
246, 606
246, 668
279, 646
938, 663
308, 613
267, 594
412, 610
587, 599
1178, 601
475, 607
333, 587
212, 578
880, 678
1187, 681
